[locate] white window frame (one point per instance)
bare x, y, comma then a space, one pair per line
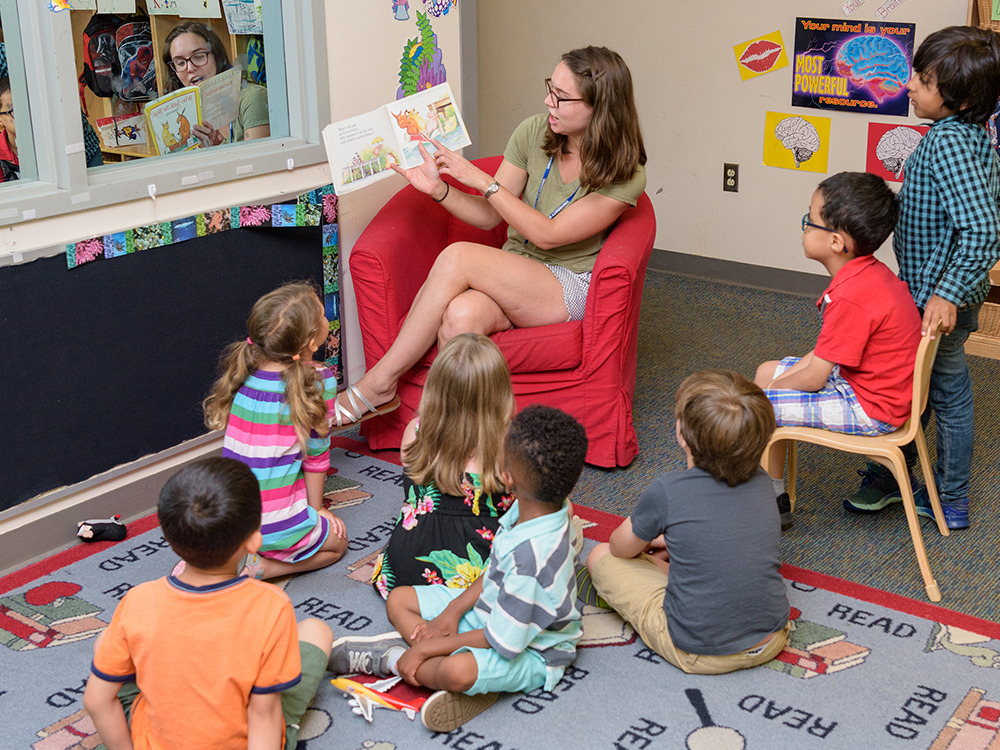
63, 183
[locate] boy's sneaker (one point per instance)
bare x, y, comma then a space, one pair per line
785, 510
878, 490
445, 711
365, 655
956, 512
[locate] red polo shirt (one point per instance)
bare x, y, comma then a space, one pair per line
871, 328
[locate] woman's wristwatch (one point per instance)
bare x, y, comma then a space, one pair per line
491, 189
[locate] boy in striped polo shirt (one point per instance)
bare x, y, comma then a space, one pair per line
516, 627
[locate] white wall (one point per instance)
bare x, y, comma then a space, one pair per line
696, 112
366, 43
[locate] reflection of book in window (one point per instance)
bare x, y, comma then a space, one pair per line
361, 149
170, 119
122, 131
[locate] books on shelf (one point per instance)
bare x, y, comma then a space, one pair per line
361, 149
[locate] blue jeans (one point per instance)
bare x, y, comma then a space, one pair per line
950, 398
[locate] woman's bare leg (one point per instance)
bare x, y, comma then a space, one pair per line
523, 292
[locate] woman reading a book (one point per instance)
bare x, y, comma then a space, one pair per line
566, 177
194, 53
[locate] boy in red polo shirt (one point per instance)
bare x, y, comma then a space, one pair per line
859, 378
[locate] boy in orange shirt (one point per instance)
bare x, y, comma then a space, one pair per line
207, 659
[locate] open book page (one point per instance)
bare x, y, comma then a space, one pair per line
220, 98
360, 150
425, 116
169, 120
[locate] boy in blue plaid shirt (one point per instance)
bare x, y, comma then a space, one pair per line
946, 242
859, 377
516, 627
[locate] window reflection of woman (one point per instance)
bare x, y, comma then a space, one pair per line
9, 164
193, 53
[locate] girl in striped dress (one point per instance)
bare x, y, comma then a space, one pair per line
275, 404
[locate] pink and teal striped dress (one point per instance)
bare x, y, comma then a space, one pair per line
260, 434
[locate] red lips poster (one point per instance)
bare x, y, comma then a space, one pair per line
761, 55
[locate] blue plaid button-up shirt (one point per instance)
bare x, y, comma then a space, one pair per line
948, 235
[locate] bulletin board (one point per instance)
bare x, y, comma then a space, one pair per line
105, 366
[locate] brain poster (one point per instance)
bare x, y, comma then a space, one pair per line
796, 142
852, 66
889, 146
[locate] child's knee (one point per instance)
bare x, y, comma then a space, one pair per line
596, 554
401, 599
765, 373
458, 673
316, 632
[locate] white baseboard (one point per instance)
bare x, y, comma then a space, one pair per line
47, 524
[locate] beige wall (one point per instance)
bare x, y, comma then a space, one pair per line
696, 112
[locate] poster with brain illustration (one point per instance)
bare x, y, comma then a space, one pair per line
889, 146
796, 141
852, 66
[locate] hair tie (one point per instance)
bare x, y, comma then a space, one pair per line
295, 358
249, 341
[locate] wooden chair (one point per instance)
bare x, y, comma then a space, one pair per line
886, 450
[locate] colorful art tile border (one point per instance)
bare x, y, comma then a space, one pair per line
317, 208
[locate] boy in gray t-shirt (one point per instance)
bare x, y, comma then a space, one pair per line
705, 541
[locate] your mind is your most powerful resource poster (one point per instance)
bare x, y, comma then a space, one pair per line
852, 66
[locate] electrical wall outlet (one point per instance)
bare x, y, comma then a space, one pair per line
731, 178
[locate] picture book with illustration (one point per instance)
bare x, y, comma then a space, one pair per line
361, 149
170, 119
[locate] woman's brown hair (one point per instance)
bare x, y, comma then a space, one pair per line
467, 402
211, 39
612, 147
281, 325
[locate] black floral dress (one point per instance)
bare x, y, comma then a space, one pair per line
440, 539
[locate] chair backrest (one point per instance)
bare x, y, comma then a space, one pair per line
922, 367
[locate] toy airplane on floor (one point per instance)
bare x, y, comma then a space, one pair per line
365, 699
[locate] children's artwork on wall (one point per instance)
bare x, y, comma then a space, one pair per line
58, 5
438, 8
860, 66
244, 16
796, 142
162, 7
116, 6
317, 208
887, 8
889, 146
761, 55
199, 9
401, 10
421, 66
852, 5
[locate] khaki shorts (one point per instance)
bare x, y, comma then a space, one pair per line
635, 589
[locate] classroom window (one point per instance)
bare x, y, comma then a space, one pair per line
277, 117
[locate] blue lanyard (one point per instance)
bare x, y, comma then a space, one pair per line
562, 205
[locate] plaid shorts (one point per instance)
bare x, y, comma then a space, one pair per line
835, 407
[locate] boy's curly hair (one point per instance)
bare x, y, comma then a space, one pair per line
548, 447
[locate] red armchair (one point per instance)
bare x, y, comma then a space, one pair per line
586, 368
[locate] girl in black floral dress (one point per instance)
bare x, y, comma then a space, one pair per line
454, 495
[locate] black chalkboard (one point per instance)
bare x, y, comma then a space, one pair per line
109, 362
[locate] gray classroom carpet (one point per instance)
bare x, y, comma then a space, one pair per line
690, 324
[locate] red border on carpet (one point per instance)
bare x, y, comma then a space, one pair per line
605, 524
